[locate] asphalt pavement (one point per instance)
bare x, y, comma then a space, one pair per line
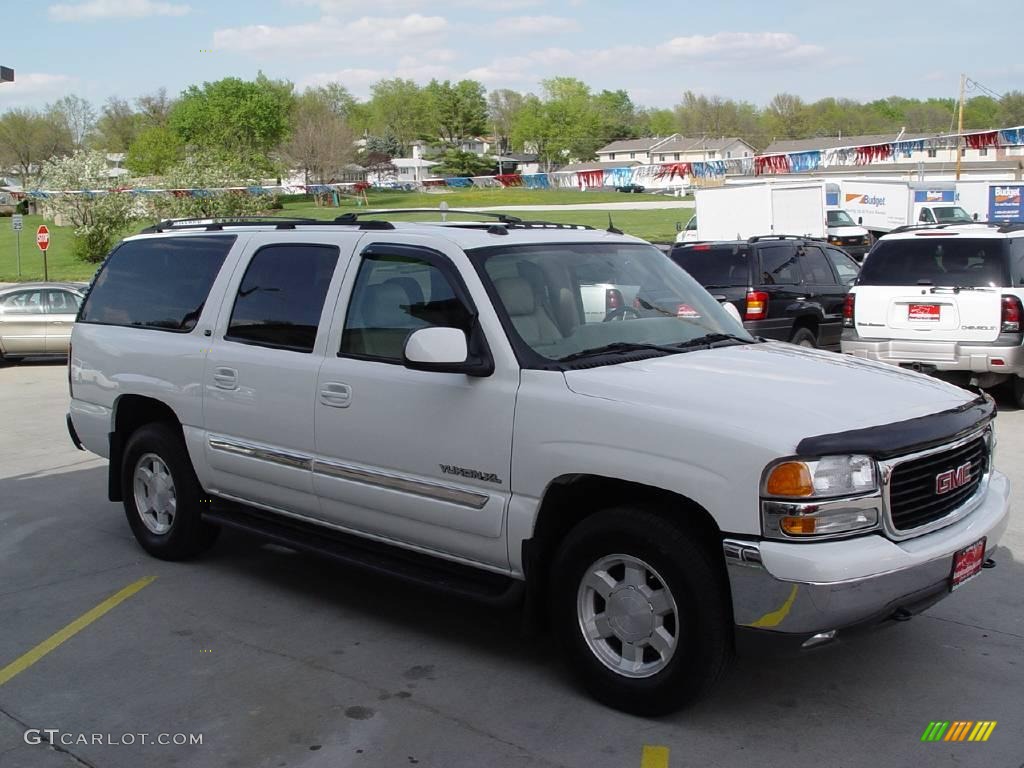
277, 659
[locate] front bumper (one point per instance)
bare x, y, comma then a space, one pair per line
794, 591
989, 357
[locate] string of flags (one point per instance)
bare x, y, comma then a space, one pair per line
810, 161
652, 174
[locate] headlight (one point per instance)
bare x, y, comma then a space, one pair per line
829, 497
825, 478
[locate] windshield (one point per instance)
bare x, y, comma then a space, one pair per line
692, 223
719, 266
839, 219
946, 261
951, 214
564, 298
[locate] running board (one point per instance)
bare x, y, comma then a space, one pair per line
432, 572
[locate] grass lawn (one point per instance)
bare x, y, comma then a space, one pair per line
62, 263
656, 225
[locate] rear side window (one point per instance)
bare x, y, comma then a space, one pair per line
779, 265
929, 260
158, 283
715, 266
282, 295
847, 268
815, 268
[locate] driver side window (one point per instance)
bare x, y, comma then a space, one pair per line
394, 296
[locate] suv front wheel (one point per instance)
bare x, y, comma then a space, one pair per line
641, 610
803, 337
162, 495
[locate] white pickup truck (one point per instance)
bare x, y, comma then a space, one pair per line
663, 487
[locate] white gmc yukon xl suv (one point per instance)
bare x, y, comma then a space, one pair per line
432, 401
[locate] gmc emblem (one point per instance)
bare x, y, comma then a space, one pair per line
952, 479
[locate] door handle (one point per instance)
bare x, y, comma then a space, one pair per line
225, 378
56, 322
336, 394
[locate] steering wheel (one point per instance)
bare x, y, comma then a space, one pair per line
619, 313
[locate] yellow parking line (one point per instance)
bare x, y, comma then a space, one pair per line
27, 660
654, 757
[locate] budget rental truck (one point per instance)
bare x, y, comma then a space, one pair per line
882, 206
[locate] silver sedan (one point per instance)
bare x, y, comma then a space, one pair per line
36, 318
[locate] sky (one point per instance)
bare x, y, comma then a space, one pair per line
656, 49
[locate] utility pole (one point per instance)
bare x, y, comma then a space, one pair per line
960, 125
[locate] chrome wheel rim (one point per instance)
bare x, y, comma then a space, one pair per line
155, 498
628, 616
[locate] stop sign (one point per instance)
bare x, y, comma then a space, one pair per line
43, 237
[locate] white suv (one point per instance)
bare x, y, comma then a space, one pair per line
944, 300
434, 402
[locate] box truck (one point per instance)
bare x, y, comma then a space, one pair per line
741, 211
882, 206
789, 208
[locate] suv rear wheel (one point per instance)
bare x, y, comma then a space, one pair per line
804, 337
641, 611
162, 495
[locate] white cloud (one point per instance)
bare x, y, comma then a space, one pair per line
359, 80
331, 36
113, 9
36, 87
534, 25
766, 47
331, 7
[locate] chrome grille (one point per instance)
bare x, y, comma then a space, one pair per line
913, 495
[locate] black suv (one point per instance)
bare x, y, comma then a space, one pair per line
785, 288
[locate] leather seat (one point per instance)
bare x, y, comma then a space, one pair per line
529, 318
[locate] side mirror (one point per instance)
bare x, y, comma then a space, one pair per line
975, 217
679, 226
442, 350
860, 219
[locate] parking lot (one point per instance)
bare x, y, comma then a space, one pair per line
277, 659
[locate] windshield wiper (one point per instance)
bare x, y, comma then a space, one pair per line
635, 346
712, 338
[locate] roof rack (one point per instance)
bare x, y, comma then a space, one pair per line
219, 223
999, 226
758, 238
504, 220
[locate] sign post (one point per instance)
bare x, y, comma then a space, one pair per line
43, 241
17, 222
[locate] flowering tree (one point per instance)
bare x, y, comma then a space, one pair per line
86, 197
209, 179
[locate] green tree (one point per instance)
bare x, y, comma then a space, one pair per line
154, 150
455, 112
235, 117
398, 108
117, 126
981, 112
454, 162
618, 115
335, 97
786, 117
503, 107
88, 201
28, 138
661, 122
1011, 109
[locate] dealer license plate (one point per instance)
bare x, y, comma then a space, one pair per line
967, 564
924, 312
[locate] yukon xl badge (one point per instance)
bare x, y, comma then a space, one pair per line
952, 479
476, 474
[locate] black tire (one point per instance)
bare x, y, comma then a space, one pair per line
1017, 391
692, 572
804, 338
188, 535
